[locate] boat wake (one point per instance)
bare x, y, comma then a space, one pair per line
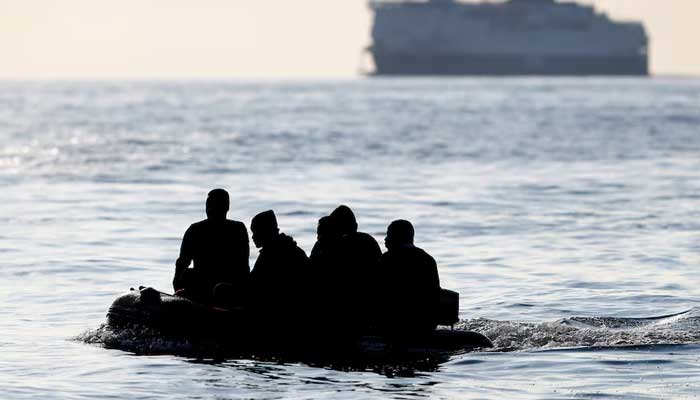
142, 340
680, 328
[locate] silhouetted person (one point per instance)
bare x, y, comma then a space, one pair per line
350, 276
325, 248
409, 282
326, 276
361, 246
278, 279
219, 248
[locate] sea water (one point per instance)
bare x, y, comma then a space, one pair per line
566, 213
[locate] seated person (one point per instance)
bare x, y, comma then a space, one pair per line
351, 275
326, 280
360, 246
409, 282
219, 248
278, 279
325, 248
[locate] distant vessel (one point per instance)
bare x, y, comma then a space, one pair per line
515, 37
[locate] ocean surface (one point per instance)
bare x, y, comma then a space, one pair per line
566, 213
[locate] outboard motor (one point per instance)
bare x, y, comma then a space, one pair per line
448, 308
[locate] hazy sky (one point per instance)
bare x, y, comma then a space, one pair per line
249, 38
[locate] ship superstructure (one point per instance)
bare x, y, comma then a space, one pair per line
515, 37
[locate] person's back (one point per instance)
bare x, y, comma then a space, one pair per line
409, 283
280, 269
325, 251
219, 250
358, 249
347, 281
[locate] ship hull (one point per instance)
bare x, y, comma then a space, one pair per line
491, 64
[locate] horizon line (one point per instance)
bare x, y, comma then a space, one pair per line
674, 75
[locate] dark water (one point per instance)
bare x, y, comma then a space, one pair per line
558, 208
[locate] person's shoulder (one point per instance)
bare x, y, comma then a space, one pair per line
366, 236
287, 243
387, 256
368, 240
236, 224
413, 252
197, 225
416, 250
300, 252
424, 254
195, 229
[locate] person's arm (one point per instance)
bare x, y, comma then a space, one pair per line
432, 306
434, 281
380, 288
184, 260
434, 276
377, 251
315, 252
237, 272
244, 248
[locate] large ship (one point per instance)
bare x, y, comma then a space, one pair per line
514, 37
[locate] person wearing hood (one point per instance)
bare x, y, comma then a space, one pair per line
325, 251
361, 247
351, 273
278, 278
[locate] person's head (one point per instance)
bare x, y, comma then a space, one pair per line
399, 233
264, 227
217, 204
327, 229
345, 220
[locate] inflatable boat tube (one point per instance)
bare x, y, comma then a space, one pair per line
178, 316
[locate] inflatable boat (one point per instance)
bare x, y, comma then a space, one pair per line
239, 330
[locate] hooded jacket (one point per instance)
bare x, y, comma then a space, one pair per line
279, 276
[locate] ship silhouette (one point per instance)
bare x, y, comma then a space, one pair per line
515, 37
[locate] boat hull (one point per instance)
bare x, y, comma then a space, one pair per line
242, 332
508, 64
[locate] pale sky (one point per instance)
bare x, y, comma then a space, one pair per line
165, 39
